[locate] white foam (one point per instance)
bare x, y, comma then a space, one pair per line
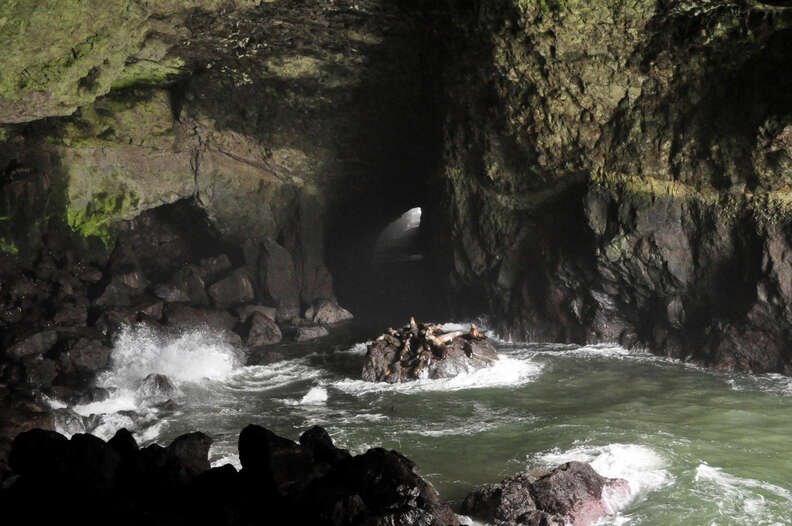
506, 371
642, 468
744, 500
276, 375
358, 348
317, 395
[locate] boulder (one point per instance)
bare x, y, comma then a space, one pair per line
328, 312
40, 372
36, 344
305, 334
262, 331
72, 314
233, 289
155, 389
425, 351
572, 494
186, 285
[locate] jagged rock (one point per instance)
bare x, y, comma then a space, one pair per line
233, 289
155, 389
304, 334
572, 493
72, 314
329, 312
186, 285
245, 311
262, 331
36, 344
424, 351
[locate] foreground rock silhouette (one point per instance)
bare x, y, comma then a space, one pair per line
426, 351
85, 480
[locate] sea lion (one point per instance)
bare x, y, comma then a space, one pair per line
474, 333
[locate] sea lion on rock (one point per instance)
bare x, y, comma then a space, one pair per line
426, 351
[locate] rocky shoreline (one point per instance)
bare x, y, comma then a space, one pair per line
280, 482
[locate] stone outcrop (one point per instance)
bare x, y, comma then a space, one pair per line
419, 351
310, 482
572, 493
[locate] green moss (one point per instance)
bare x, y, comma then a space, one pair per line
8, 247
99, 218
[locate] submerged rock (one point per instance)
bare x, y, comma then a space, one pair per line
425, 351
572, 494
305, 334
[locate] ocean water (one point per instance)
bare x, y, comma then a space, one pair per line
698, 447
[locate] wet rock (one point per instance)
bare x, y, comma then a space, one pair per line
328, 312
192, 452
505, 501
425, 351
17, 417
572, 493
319, 442
275, 461
36, 344
67, 421
233, 289
262, 331
304, 334
123, 443
155, 389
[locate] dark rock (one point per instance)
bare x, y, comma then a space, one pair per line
67, 421
246, 311
91, 275
121, 289
278, 277
212, 267
278, 462
187, 317
18, 417
262, 331
36, 344
72, 314
425, 351
93, 465
233, 289
305, 334
39, 453
192, 452
185, 286
505, 501
89, 355
40, 372
319, 442
123, 443
574, 491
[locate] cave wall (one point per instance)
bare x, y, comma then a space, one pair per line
619, 171
588, 171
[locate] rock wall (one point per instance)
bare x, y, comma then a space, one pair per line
619, 171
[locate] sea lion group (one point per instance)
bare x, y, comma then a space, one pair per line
424, 350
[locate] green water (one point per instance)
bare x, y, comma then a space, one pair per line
698, 447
